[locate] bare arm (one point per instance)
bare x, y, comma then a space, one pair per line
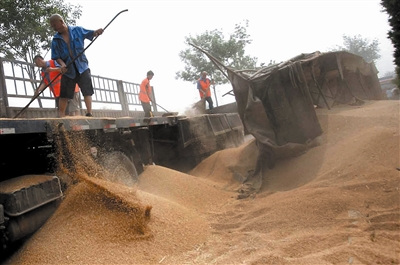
53, 69
63, 68
40, 88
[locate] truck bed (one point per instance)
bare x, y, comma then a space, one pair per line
44, 125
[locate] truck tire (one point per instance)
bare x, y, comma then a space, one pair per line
119, 168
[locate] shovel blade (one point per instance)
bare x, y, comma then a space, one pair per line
200, 106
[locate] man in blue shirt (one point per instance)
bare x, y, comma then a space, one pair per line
66, 45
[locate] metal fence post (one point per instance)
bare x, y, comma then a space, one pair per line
3, 93
122, 98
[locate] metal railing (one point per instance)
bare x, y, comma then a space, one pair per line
19, 81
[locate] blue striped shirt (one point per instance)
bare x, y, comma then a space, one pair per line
59, 49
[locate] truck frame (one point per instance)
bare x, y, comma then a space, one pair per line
30, 189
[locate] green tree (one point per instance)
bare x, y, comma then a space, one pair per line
25, 30
24, 27
363, 47
392, 7
230, 52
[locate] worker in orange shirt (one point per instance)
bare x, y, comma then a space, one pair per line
49, 70
203, 85
146, 94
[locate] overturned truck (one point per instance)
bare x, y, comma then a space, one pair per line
277, 104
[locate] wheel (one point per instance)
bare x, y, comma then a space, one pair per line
119, 168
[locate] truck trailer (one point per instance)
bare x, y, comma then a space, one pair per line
34, 145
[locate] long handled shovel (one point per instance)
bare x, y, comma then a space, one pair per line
71, 62
200, 106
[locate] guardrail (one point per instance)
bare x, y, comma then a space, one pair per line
19, 80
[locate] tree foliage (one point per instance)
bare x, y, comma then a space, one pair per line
363, 47
231, 52
24, 26
392, 7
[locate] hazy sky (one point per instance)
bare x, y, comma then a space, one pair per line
151, 34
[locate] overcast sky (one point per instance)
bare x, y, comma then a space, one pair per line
151, 34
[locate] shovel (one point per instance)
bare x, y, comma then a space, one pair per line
71, 62
200, 106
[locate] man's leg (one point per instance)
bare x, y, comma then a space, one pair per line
86, 86
147, 109
210, 103
66, 93
62, 106
88, 103
67, 112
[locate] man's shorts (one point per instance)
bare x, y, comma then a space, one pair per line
84, 81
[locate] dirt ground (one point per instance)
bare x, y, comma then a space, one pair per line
339, 203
